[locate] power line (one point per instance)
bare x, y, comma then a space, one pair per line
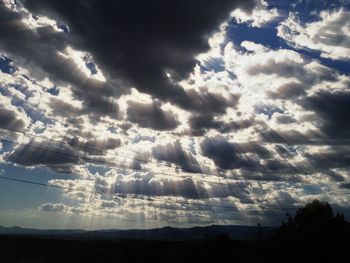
297, 169
118, 165
79, 146
124, 166
94, 160
184, 169
127, 167
238, 186
102, 151
116, 154
143, 198
150, 199
113, 164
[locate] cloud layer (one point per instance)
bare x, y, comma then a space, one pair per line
142, 106
330, 35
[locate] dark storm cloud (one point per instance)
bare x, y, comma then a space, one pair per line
253, 159
209, 105
151, 185
63, 108
345, 186
283, 151
151, 116
253, 147
200, 124
288, 91
141, 41
286, 137
94, 146
333, 157
39, 48
285, 119
174, 153
335, 176
293, 137
10, 120
204, 101
36, 153
333, 109
227, 155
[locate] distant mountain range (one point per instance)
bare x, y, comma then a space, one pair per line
167, 233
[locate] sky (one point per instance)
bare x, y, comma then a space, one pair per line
144, 114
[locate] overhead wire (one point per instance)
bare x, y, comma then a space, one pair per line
101, 151
118, 165
131, 196
114, 164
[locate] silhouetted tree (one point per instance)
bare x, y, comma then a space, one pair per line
316, 212
315, 220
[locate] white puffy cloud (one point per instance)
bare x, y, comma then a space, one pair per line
258, 17
330, 35
254, 111
278, 78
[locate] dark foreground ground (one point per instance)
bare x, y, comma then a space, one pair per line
220, 249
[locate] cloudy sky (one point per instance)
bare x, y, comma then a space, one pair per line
139, 114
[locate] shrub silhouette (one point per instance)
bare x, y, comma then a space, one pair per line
315, 220
313, 213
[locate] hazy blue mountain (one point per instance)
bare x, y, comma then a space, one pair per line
166, 233
28, 231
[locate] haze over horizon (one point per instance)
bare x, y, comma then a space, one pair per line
143, 114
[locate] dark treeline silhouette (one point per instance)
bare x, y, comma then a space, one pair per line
313, 234
314, 221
